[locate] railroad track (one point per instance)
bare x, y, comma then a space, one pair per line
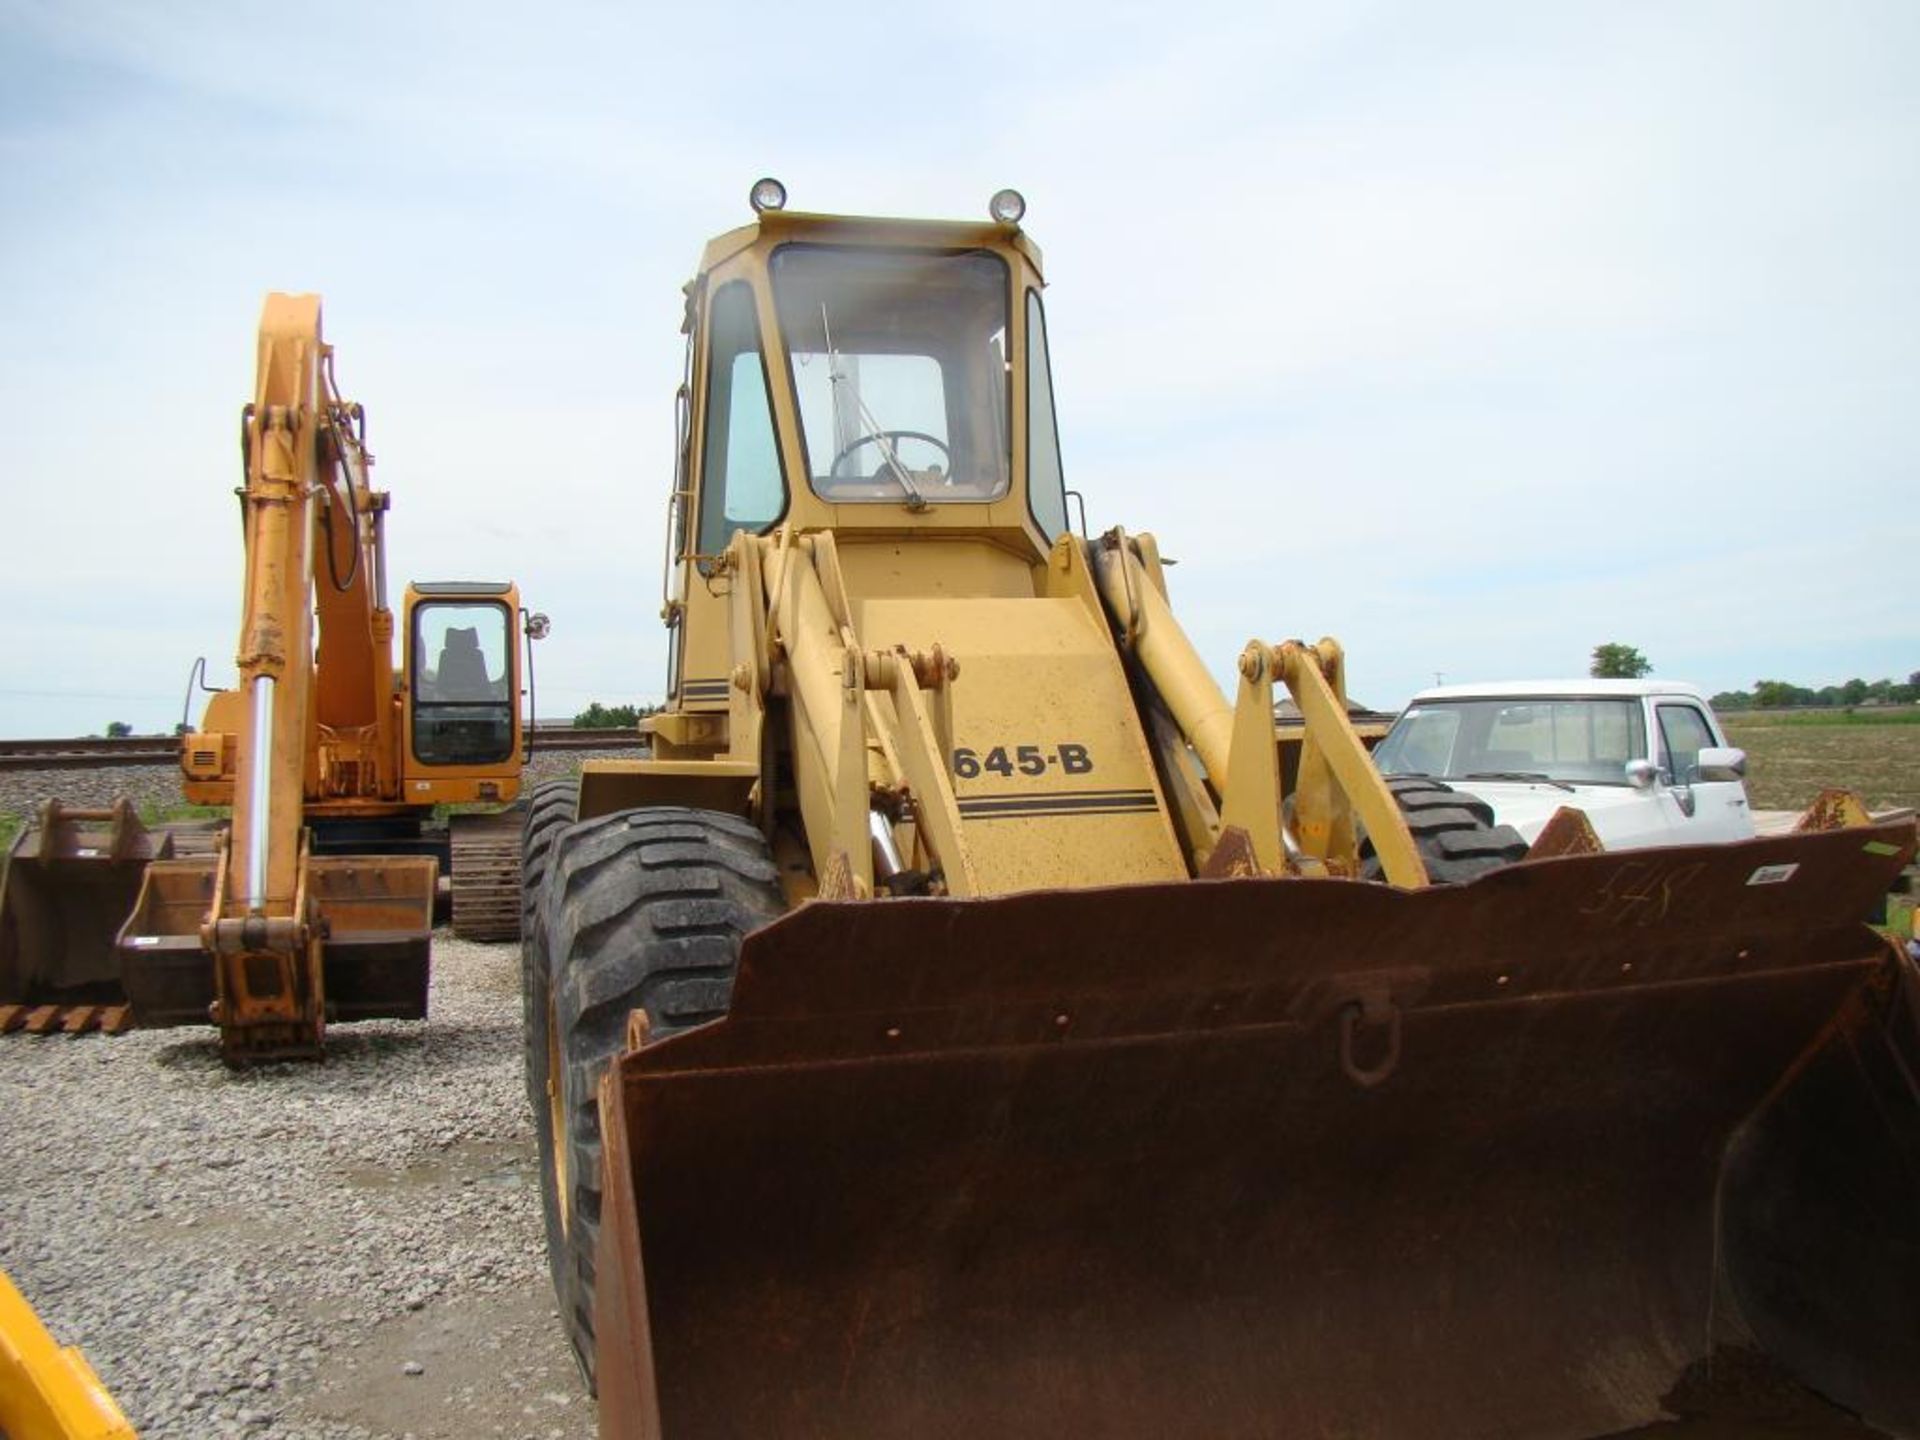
96, 753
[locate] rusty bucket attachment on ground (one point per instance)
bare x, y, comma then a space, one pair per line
375, 918
72, 877
1271, 1157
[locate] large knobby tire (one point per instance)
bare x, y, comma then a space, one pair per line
550, 809
1454, 831
641, 910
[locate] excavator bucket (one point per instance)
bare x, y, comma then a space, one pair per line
1556, 1153
71, 878
378, 917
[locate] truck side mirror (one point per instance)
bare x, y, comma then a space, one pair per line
1722, 762
1641, 774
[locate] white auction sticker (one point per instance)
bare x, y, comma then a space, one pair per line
1773, 874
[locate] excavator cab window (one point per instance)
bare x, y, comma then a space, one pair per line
462, 683
898, 370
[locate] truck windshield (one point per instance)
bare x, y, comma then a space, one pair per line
1572, 740
899, 366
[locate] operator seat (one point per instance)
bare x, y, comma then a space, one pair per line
462, 672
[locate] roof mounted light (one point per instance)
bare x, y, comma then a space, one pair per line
1007, 206
767, 194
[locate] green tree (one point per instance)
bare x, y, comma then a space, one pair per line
1614, 661
607, 717
119, 730
1772, 694
612, 717
1853, 692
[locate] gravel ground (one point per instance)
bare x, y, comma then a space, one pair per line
345, 1250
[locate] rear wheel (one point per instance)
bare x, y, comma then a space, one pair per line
1454, 831
641, 910
550, 808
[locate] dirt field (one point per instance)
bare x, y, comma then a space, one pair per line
1792, 756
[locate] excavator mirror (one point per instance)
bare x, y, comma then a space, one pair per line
538, 626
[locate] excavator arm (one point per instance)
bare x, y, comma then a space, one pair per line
269, 939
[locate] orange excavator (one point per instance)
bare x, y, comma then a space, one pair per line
318, 904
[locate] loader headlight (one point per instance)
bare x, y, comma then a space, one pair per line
1007, 206
767, 194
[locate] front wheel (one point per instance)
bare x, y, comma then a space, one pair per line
641, 910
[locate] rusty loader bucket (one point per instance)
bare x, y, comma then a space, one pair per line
71, 879
375, 915
1547, 1155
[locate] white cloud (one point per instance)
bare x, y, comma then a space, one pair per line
1473, 335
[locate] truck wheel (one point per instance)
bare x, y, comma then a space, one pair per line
642, 910
550, 807
1453, 830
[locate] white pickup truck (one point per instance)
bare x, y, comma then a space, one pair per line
1646, 760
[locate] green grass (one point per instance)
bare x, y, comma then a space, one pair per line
160, 814
1900, 917
1792, 757
1866, 715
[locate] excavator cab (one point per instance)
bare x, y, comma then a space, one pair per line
462, 690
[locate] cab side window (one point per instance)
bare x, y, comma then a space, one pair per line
1683, 735
1046, 486
740, 484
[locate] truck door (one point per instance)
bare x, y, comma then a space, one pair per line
1702, 810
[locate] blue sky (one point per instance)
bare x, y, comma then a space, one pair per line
1474, 335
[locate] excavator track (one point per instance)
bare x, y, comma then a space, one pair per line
486, 875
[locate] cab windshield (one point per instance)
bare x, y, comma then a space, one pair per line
899, 366
1575, 741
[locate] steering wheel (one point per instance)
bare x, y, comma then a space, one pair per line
946, 453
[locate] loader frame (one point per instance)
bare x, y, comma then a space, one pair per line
965, 1023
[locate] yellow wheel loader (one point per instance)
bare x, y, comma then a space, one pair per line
956, 1028
318, 903
49, 1391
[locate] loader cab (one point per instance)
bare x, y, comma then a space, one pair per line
885, 380
461, 691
